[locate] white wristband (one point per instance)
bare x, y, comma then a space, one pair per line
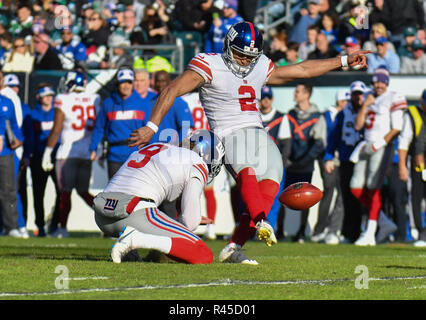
344, 61
153, 126
379, 144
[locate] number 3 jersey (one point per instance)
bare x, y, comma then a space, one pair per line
230, 103
80, 110
386, 113
160, 172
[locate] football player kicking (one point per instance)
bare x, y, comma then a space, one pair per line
151, 175
230, 88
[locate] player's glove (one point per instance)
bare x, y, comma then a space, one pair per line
46, 162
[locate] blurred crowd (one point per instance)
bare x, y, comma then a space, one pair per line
98, 34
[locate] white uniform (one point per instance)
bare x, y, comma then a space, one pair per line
161, 172
230, 103
80, 110
386, 113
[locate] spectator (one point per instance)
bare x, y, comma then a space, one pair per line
95, 39
6, 45
4, 22
383, 57
155, 29
401, 14
46, 57
278, 47
247, 9
417, 63
120, 55
22, 26
411, 142
329, 26
122, 112
308, 137
376, 15
72, 52
8, 196
141, 84
329, 223
405, 49
291, 55
136, 6
42, 117
343, 138
193, 15
299, 31
131, 29
19, 59
377, 30
323, 49
349, 24
216, 34
310, 45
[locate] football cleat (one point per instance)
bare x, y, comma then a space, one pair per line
123, 245
233, 253
365, 240
265, 233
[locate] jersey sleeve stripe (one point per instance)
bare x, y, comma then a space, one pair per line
399, 106
204, 170
196, 66
270, 69
202, 173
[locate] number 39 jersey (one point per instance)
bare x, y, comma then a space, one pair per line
80, 110
158, 171
230, 103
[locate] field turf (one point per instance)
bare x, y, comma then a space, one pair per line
79, 268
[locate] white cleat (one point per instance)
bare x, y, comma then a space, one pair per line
123, 245
265, 233
365, 240
233, 253
331, 238
420, 244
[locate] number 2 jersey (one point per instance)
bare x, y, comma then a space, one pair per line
80, 110
230, 102
162, 171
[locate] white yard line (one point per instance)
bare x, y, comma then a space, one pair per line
226, 282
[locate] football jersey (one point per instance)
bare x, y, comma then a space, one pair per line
229, 102
159, 172
384, 114
197, 110
80, 110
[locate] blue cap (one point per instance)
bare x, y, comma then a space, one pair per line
266, 92
46, 91
381, 40
381, 75
125, 75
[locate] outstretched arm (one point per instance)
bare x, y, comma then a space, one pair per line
186, 82
315, 68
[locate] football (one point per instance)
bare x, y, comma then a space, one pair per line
300, 196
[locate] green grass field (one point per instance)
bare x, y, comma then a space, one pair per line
285, 271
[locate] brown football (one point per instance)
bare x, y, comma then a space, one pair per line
300, 196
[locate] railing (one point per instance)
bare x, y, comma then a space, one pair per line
173, 52
263, 15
